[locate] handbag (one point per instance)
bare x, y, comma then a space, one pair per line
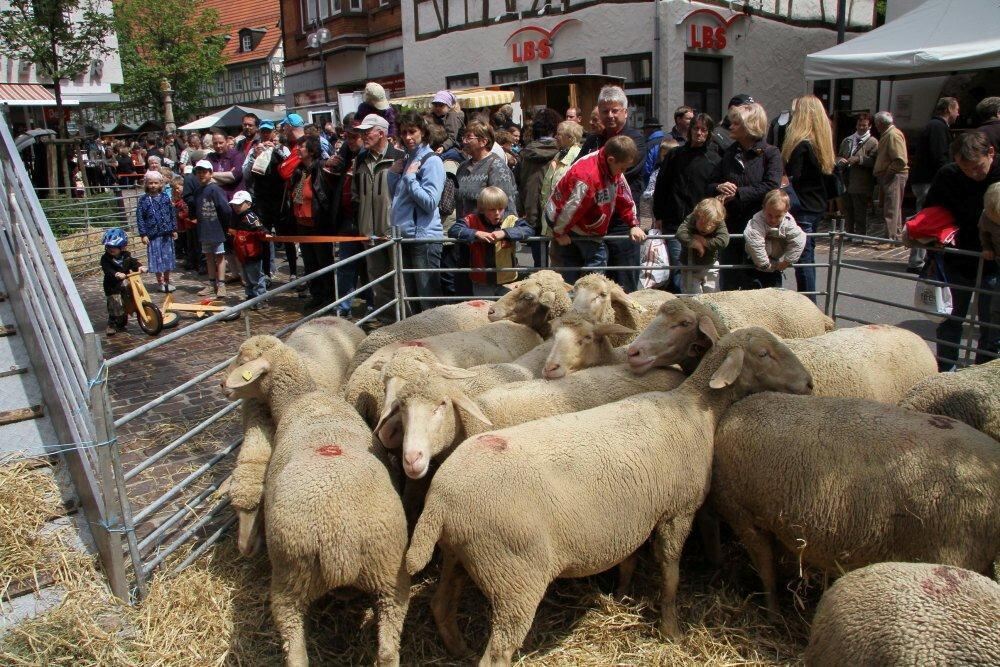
833, 183
933, 301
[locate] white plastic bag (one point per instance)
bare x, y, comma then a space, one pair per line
654, 254
261, 162
933, 300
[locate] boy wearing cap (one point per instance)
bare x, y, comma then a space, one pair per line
453, 122
377, 102
211, 208
248, 244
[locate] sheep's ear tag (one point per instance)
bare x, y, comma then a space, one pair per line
729, 370
247, 375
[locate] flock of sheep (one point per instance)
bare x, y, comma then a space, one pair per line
552, 433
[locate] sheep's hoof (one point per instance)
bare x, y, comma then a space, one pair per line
669, 630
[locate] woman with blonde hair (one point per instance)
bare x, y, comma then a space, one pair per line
809, 158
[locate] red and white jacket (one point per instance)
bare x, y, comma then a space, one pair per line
587, 196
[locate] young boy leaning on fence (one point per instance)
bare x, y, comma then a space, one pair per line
491, 242
702, 235
773, 239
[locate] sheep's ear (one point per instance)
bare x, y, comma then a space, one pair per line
470, 406
514, 285
729, 370
390, 412
247, 373
392, 387
608, 329
547, 299
707, 327
567, 287
620, 298
454, 372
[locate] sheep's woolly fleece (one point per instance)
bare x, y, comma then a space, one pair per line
216, 612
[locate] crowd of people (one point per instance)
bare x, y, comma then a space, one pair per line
485, 182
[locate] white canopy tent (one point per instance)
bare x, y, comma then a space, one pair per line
936, 38
230, 117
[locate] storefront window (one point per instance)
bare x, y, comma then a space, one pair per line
637, 70
563, 68
703, 85
511, 75
461, 81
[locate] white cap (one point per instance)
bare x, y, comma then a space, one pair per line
241, 197
203, 164
373, 120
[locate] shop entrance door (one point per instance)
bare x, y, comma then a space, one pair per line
703, 85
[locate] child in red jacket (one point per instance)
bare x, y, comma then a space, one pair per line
581, 206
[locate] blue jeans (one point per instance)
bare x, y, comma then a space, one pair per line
581, 252
623, 253
347, 275
422, 256
674, 250
254, 278
805, 276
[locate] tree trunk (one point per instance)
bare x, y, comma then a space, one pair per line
61, 120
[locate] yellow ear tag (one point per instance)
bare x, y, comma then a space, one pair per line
247, 375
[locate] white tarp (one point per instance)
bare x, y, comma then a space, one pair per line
938, 37
231, 117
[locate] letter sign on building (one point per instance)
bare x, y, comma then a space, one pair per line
536, 47
711, 35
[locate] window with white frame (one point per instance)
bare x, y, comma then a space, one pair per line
246, 42
256, 77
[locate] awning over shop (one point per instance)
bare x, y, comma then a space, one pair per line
230, 117
938, 37
469, 98
29, 95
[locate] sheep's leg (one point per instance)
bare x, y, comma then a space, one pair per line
670, 536
626, 569
289, 612
708, 528
392, 605
444, 605
513, 611
761, 550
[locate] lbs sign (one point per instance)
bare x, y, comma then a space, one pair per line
710, 34
533, 42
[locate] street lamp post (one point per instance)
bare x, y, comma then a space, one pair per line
168, 106
316, 40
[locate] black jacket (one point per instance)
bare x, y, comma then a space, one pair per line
124, 263
991, 129
932, 151
323, 199
755, 172
634, 176
807, 178
964, 198
682, 181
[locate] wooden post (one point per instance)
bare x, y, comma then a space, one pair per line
52, 164
108, 532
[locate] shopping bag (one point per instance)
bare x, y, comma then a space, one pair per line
261, 162
933, 300
654, 254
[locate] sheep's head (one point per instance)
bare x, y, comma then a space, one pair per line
752, 360
683, 329
534, 302
252, 362
578, 343
407, 364
427, 411
603, 300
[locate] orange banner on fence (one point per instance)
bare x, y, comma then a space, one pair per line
318, 239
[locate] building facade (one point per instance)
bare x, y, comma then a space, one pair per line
254, 75
670, 52
334, 47
27, 94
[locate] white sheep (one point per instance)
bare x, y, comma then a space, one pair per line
464, 316
878, 362
576, 494
535, 301
495, 342
897, 614
327, 345
971, 395
845, 482
580, 343
333, 516
604, 301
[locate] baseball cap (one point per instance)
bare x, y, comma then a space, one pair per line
294, 120
374, 120
652, 121
241, 197
740, 100
444, 97
375, 95
203, 164
266, 125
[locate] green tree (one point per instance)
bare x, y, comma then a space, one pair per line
177, 40
61, 37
